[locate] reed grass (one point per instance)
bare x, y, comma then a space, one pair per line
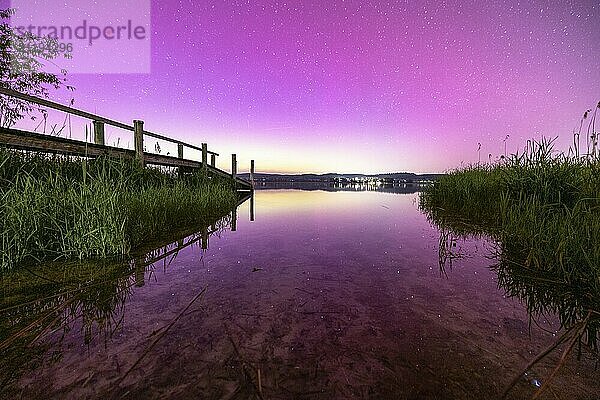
57, 207
543, 210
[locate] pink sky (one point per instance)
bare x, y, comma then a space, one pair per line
359, 86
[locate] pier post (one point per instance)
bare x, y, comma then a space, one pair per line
213, 160
204, 243
252, 173
234, 220
138, 137
99, 132
234, 170
204, 155
252, 208
180, 155
140, 273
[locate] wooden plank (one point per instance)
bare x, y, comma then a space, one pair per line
243, 199
168, 161
23, 140
244, 184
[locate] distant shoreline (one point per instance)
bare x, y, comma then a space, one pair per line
388, 178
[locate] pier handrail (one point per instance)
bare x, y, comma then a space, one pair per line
93, 117
47, 143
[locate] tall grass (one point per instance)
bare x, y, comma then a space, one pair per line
56, 207
543, 209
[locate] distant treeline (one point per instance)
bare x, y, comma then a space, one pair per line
331, 177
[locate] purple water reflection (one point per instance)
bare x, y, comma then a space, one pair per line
325, 295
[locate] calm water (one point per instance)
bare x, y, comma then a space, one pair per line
324, 295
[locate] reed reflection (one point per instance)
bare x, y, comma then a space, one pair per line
41, 304
543, 292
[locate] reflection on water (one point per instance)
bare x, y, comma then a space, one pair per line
344, 187
543, 292
322, 295
89, 297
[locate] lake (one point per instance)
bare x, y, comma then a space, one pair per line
325, 294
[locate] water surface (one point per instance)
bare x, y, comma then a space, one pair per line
324, 295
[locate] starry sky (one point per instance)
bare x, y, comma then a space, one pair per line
359, 86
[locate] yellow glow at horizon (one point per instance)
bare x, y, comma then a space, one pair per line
280, 201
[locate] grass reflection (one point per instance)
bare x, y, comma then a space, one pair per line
41, 304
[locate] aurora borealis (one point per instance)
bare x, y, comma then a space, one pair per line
359, 86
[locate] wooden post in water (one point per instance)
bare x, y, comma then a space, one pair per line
138, 138
213, 160
205, 239
234, 220
140, 272
252, 173
234, 170
180, 155
204, 155
252, 207
99, 132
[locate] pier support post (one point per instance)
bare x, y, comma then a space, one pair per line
234, 220
234, 170
204, 155
213, 160
252, 173
138, 137
99, 132
252, 208
204, 240
180, 155
140, 273
233, 166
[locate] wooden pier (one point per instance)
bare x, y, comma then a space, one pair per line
43, 143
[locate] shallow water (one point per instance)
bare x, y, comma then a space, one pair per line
324, 295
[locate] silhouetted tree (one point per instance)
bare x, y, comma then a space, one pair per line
23, 58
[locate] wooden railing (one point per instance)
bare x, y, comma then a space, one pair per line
46, 143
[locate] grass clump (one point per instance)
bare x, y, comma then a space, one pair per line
543, 210
56, 207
